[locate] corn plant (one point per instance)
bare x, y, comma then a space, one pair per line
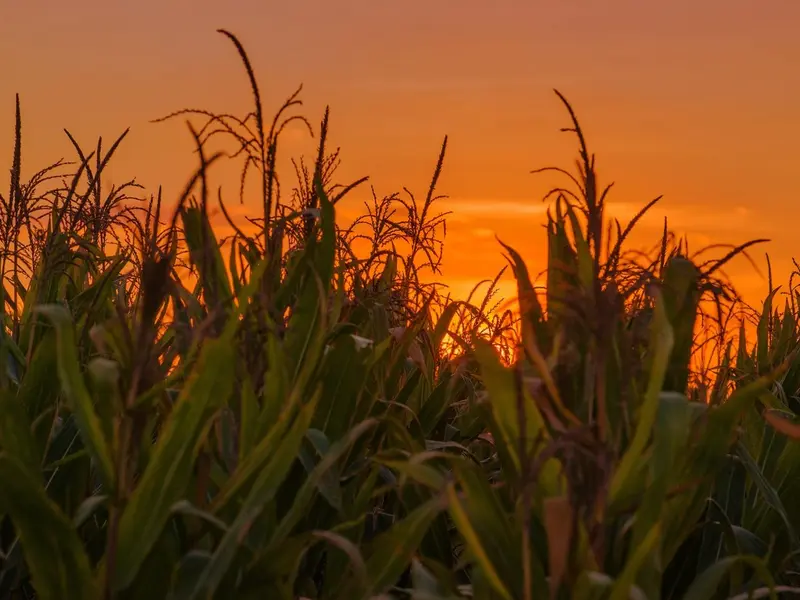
603, 466
296, 411
234, 435
750, 508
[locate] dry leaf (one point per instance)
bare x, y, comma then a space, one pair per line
781, 425
558, 525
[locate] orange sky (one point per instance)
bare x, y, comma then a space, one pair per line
693, 100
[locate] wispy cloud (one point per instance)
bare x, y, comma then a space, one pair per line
681, 218
697, 218
494, 208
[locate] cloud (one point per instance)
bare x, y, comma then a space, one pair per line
705, 218
483, 233
493, 208
697, 218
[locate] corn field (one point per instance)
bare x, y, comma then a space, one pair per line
294, 411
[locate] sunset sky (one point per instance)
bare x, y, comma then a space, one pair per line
694, 100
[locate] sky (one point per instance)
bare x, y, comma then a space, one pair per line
695, 101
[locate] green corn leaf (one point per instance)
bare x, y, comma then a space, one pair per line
725, 507
169, 470
768, 493
708, 582
762, 334
74, 388
255, 462
248, 419
504, 401
105, 377
206, 255
586, 274
344, 371
233, 268
308, 314
38, 389
394, 549
681, 296
53, 552
671, 432
16, 437
638, 557
623, 481
561, 268
305, 494
264, 488
437, 403
276, 388
530, 307
443, 324
475, 543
